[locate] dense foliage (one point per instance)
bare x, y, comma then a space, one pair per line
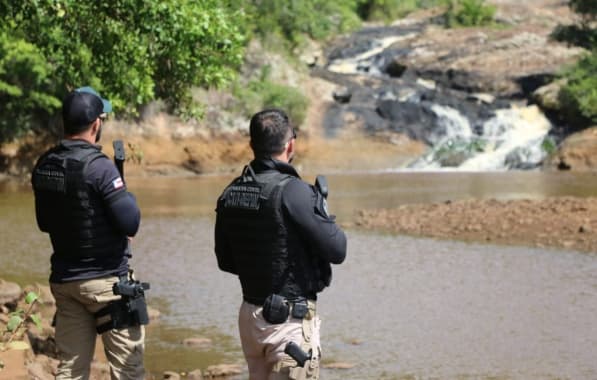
387, 10
293, 20
132, 51
579, 96
469, 13
263, 93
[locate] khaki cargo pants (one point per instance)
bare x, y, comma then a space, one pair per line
263, 344
76, 303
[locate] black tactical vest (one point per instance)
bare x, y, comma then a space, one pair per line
269, 259
74, 217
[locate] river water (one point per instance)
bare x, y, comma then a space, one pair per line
398, 308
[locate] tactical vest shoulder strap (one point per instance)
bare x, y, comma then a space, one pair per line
270, 185
86, 156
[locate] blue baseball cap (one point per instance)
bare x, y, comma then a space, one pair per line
81, 107
107, 105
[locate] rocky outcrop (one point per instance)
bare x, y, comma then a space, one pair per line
456, 90
547, 97
221, 370
9, 292
578, 152
197, 342
510, 61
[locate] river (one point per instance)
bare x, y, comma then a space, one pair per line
398, 308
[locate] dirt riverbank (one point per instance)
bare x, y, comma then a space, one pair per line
563, 222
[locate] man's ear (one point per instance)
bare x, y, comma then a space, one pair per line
290, 147
96, 126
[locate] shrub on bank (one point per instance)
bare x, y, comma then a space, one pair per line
389, 10
296, 20
578, 97
263, 93
469, 13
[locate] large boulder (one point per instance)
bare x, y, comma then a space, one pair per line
9, 292
223, 370
547, 97
577, 152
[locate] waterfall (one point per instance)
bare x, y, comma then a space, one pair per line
512, 138
452, 125
469, 132
515, 139
364, 62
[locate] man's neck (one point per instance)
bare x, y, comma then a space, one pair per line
282, 158
80, 138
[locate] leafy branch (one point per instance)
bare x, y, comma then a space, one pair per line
17, 318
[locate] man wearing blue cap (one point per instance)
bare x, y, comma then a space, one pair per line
82, 202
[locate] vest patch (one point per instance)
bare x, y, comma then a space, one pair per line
243, 196
49, 178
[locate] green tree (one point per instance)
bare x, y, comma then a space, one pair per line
579, 96
583, 33
132, 51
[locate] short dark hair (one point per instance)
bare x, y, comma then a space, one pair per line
270, 129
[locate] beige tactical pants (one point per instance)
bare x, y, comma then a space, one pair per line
76, 302
263, 344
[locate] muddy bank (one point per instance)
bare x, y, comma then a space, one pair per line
163, 145
563, 222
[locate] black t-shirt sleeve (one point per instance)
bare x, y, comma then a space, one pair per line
121, 205
316, 229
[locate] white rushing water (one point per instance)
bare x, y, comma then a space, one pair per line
515, 136
512, 138
453, 125
352, 65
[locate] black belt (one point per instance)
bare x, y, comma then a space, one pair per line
257, 301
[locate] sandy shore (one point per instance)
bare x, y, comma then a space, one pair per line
563, 222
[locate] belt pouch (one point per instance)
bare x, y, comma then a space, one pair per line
300, 309
275, 309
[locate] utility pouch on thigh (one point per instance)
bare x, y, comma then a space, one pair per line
123, 313
114, 316
275, 309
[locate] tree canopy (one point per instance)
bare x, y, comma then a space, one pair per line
579, 96
131, 51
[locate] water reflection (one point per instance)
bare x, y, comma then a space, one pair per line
398, 308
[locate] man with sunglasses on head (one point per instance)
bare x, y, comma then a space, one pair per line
273, 231
82, 202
